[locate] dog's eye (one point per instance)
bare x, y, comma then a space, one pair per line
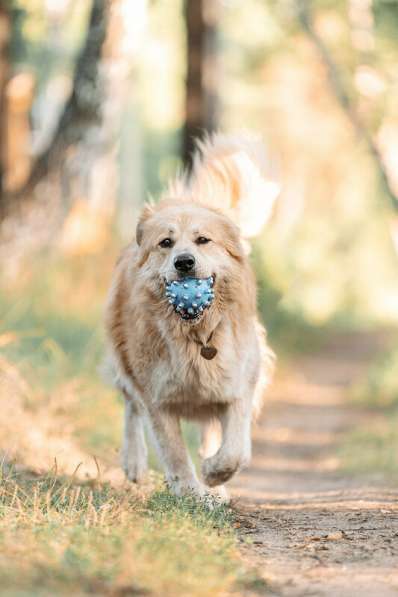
166, 243
202, 240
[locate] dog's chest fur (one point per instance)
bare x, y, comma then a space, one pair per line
186, 380
175, 376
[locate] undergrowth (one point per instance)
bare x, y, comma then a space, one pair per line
373, 446
61, 537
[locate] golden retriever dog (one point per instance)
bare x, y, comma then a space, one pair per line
207, 363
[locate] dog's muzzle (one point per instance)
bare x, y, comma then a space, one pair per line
190, 296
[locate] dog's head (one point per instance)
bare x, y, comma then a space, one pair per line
178, 239
195, 235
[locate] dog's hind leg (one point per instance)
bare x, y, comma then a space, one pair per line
210, 438
134, 449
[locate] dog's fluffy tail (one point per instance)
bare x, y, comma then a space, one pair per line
229, 173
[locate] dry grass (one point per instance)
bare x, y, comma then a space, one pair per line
60, 537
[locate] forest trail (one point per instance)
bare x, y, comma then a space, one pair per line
314, 530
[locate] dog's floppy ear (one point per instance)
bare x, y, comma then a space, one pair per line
228, 174
145, 215
231, 239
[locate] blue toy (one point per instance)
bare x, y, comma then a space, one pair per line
190, 296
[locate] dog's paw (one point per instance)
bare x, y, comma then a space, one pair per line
216, 496
134, 465
220, 495
185, 487
220, 468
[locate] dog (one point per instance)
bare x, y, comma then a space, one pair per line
207, 363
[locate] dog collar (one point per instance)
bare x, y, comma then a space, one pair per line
190, 296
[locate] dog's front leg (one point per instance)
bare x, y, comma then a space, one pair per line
134, 450
235, 449
179, 470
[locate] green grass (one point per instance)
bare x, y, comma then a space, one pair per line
373, 446
379, 389
51, 333
60, 537
289, 331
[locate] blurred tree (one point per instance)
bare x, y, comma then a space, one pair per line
83, 108
344, 95
5, 32
201, 98
80, 163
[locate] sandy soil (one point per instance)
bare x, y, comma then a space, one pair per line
313, 529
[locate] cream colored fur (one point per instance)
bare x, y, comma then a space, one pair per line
155, 355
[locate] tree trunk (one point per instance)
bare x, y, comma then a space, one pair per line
74, 184
5, 30
91, 169
201, 100
82, 110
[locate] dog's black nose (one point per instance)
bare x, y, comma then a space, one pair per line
184, 263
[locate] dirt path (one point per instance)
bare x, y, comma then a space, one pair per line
314, 530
